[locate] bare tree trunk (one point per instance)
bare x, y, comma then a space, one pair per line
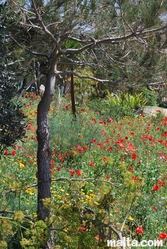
44, 153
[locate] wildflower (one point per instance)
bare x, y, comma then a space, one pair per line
140, 230
110, 120
134, 178
80, 150
78, 172
84, 148
130, 147
6, 153
72, 172
164, 134
67, 106
162, 236
161, 183
13, 153
131, 168
154, 208
92, 163
155, 188
120, 143
58, 169
134, 156
104, 159
108, 176
159, 111
93, 141
94, 120
82, 228
130, 218
110, 148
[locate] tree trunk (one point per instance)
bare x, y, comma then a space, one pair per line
44, 152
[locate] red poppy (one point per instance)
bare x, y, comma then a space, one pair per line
161, 183
91, 163
94, 120
134, 156
67, 106
6, 153
131, 168
134, 178
93, 141
58, 169
104, 159
13, 153
164, 134
110, 148
101, 122
108, 176
140, 230
78, 172
72, 172
82, 228
154, 208
110, 120
155, 188
162, 236
84, 148
80, 150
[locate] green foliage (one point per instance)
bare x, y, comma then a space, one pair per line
149, 96
12, 120
120, 105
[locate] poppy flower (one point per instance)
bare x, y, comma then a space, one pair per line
134, 178
78, 172
82, 228
91, 163
110, 120
134, 156
131, 168
162, 236
161, 183
104, 159
13, 153
154, 208
164, 134
155, 188
72, 172
67, 106
94, 120
140, 230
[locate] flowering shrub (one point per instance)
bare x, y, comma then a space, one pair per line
108, 177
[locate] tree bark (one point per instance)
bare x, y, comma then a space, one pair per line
44, 152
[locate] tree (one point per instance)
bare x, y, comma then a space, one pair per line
109, 37
12, 120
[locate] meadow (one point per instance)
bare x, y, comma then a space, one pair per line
109, 178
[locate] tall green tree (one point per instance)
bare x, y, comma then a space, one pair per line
12, 120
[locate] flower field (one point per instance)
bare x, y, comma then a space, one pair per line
109, 179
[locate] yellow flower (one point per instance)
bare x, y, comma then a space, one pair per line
18, 215
130, 218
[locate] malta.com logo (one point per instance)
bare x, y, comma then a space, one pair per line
127, 242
